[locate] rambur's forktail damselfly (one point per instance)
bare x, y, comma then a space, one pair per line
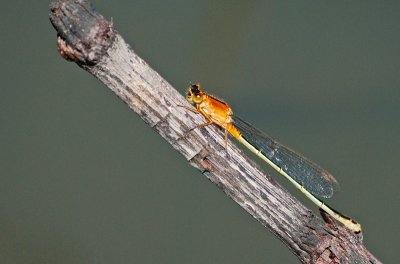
304, 174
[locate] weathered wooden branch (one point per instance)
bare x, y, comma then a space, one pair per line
86, 38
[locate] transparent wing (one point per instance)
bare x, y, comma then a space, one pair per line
304, 171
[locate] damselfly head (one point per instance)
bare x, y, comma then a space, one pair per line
194, 94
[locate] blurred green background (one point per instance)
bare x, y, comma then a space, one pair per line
84, 180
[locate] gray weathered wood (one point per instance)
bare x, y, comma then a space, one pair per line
85, 37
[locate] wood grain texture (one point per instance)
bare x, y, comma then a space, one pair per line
85, 37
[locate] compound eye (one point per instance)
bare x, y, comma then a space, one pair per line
195, 87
